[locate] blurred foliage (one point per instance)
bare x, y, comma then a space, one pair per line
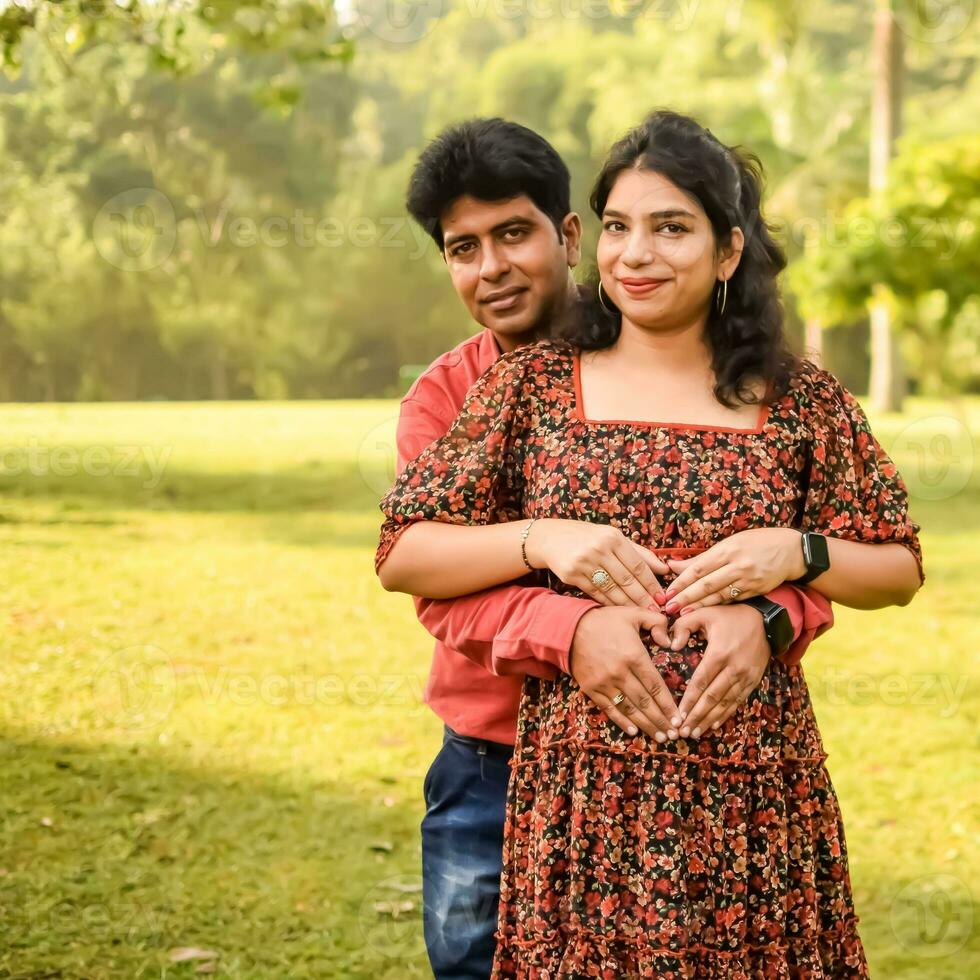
166, 28
206, 199
921, 241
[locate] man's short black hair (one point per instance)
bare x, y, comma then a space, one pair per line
492, 160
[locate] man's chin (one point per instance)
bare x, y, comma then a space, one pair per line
517, 325
513, 335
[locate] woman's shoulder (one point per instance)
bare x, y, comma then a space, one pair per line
816, 391
543, 353
538, 359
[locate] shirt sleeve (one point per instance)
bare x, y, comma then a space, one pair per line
811, 614
854, 490
424, 416
466, 476
509, 629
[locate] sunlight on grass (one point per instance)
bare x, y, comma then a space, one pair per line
212, 734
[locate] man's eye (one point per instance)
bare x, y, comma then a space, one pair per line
614, 226
514, 233
461, 249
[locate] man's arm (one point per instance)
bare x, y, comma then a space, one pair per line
509, 629
515, 629
811, 614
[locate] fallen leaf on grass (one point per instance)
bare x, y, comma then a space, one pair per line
394, 909
404, 886
381, 845
183, 954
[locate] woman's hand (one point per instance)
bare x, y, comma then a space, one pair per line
735, 659
608, 658
753, 561
574, 550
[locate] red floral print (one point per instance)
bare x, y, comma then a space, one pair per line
722, 857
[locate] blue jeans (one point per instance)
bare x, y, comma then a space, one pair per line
462, 842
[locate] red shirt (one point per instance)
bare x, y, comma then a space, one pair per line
487, 641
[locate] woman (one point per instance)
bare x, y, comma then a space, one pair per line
677, 416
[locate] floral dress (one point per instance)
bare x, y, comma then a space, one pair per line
714, 857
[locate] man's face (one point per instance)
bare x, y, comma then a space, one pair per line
508, 264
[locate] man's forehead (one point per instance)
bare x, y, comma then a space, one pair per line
472, 216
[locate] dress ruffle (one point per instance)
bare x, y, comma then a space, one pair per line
832, 954
729, 850
720, 857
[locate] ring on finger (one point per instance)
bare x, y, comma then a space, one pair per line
733, 593
618, 700
601, 579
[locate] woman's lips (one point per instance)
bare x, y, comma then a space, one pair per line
641, 287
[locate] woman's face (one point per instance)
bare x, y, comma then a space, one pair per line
657, 253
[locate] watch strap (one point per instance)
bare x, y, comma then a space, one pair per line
815, 556
776, 622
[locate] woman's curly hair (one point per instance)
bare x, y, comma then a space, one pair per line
747, 341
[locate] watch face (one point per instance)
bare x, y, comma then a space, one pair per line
817, 553
780, 631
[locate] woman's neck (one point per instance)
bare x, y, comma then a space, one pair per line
679, 351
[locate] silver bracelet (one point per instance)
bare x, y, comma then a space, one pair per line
524, 535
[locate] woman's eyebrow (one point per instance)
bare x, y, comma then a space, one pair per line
669, 213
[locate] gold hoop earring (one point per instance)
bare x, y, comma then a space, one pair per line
608, 309
724, 297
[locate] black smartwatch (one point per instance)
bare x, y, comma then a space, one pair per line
816, 556
775, 621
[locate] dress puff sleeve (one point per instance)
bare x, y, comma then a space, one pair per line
854, 490
469, 475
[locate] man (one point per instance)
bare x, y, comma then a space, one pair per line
495, 197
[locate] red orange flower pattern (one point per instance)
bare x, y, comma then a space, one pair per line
718, 857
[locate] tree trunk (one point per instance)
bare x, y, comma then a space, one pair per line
50, 385
887, 388
887, 377
6, 382
219, 375
813, 340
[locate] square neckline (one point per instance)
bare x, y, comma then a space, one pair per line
578, 411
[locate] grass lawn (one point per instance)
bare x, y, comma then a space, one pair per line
211, 737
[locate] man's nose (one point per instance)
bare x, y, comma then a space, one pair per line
494, 263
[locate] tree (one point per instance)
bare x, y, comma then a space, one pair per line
887, 383
919, 240
305, 29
